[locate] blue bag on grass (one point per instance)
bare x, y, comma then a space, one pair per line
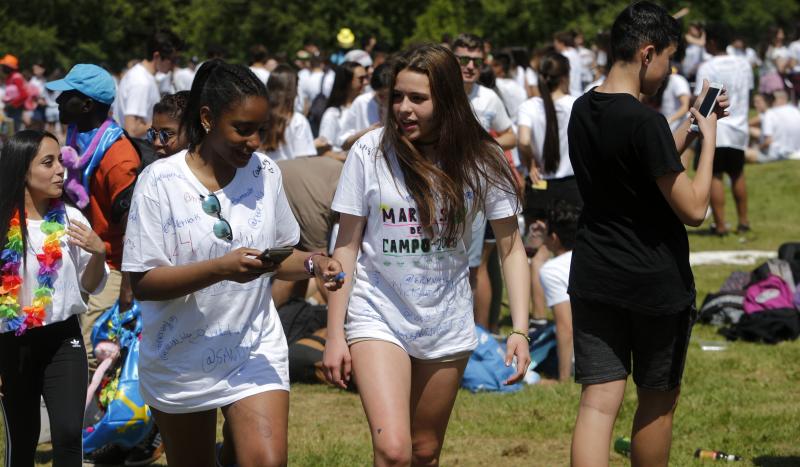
127, 420
486, 369
544, 355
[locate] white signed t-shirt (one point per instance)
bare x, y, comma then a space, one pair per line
298, 141
410, 289
224, 342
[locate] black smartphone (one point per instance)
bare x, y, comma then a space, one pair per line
709, 101
276, 255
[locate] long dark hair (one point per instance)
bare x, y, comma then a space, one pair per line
553, 68
218, 86
281, 93
341, 84
15, 161
466, 156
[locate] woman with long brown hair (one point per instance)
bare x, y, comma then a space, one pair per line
288, 133
407, 196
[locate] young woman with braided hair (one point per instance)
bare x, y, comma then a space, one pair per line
198, 224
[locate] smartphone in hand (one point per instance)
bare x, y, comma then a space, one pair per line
708, 104
276, 255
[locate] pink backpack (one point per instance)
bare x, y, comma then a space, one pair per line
771, 293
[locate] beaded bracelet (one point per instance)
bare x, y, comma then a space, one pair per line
521, 333
309, 263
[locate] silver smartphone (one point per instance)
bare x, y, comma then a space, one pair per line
708, 104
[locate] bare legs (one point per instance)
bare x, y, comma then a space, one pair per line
256, 428
651, 435
739, 190
407, 402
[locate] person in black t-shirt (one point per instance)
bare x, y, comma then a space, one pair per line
631, 287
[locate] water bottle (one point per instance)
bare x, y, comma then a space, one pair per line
715, 455
622, 445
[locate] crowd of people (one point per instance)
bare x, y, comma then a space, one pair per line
411, 187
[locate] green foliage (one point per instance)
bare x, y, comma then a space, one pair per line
112, 32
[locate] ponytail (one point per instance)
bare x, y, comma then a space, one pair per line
552, 69
217, 85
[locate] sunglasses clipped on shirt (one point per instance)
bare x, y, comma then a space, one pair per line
212, 207
464, 60
163, 135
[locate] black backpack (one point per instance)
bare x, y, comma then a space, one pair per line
791, 252
317, 109
147, 154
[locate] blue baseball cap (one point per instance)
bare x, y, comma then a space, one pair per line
90, 80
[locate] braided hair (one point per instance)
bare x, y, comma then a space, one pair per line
217, 85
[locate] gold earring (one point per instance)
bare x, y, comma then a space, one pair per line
206, 128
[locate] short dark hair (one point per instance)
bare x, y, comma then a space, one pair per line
642, 23
382, 77
468, 41
172, 105
258, 54
165, 42
565, 37
487, 78
505, 60
562, 220
718, 33
217, 85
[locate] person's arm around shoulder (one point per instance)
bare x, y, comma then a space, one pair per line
336, 359
518, 282
687, 197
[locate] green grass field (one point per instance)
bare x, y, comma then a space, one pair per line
743, 400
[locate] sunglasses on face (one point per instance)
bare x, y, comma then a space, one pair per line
464, 60
211, 206
163, 135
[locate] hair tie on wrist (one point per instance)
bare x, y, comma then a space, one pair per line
521, 333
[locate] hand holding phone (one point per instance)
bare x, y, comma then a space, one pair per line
276, 255
707, 105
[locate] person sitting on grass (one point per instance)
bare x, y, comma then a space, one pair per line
562, 224
780, 131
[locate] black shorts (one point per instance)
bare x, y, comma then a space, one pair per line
607, 337
726, 161
537, 202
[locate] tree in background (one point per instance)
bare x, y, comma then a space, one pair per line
112, 32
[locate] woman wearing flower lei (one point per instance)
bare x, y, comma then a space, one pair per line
50, 261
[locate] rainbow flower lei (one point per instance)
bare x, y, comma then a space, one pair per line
16, 317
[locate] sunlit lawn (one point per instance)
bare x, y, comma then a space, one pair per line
743, 400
